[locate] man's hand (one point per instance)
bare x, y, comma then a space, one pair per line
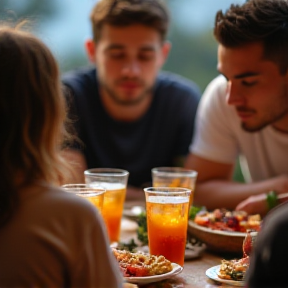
255, 204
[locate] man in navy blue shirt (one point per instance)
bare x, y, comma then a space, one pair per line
126, 112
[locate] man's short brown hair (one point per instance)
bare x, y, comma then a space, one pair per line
264, 21
121, 13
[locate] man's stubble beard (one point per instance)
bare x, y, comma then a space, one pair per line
273, 118
264, 124
114, 96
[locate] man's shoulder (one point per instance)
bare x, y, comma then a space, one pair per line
215, 94
217, 86
79, 76
81, 82
174, 83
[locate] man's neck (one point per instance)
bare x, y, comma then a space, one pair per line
126, 113
281, 125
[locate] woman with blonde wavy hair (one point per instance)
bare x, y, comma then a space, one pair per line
48, 237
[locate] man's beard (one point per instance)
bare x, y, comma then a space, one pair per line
115, 97
253, 129
272, 119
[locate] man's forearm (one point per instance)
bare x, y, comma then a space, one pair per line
217, 194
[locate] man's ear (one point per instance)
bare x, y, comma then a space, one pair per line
90, 48
166, 47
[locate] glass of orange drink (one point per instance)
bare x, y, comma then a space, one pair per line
115, 182
167, 220
93, 194
175, 177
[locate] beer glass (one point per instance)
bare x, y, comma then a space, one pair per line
115, 182
175, 177
167, 220
94, 195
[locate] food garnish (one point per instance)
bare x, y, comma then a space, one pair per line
131, 245
194, 210
142, 233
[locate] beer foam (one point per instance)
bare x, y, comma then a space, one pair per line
168, 199
89, 194
107, 185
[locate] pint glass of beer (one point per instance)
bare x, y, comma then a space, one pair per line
175, 177
167, 220
94, 195
115, 182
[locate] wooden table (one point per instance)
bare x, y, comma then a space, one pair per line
193, 274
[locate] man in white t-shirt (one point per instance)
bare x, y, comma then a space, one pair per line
244, 113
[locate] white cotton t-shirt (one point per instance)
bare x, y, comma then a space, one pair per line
219, 137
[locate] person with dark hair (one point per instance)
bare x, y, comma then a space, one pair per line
267, 267
244, 112
48, 237
126, 112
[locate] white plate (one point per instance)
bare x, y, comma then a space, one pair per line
212, 274
150, 279
128, 225
133, 212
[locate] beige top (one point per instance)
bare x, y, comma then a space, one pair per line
56, 239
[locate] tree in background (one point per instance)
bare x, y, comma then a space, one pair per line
33, 9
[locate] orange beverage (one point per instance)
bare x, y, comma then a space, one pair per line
175, 177
96, 200
113, 208
167, 220
114, 181
93, 195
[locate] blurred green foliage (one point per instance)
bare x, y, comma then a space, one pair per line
238, 176
193, 55
142, 232
193, 211
13, 10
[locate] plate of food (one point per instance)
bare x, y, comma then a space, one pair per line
233, 271
155, 278
222, 230
212, 273
143, 268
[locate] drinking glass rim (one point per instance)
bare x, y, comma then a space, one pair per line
106, 172
83, 188
174, 191
174, 172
